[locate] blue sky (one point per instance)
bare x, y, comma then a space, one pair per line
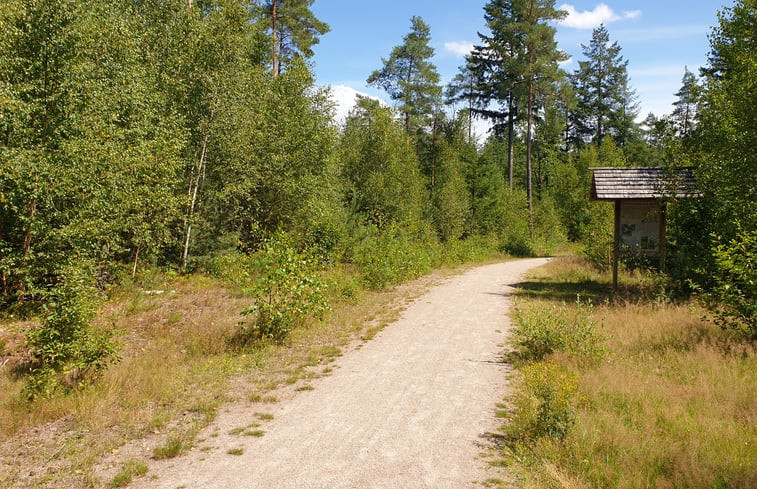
658, 38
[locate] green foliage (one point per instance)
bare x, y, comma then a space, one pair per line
393, 256
409, 77
733, 298
721, 144
546, 406
513, 229
549, 234
288, 292
606, 103
545, 330
234, 267
66, 351
569, 193
380, 167
598, 236
450, 200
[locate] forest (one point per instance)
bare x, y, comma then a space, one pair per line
190, 137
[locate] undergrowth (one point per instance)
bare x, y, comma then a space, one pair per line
179, 354
667, 400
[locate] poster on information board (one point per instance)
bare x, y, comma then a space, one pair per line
640, 227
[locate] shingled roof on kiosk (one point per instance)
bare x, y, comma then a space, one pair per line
621, 183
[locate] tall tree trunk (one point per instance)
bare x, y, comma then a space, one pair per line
136, 260
407, 96
274, 34
27, 246
195, 182
32, 210
3, 278
529, 123
510, 138
470, 112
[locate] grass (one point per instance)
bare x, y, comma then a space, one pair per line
671, 403
261, 399
176, 444
235, 451
131, 469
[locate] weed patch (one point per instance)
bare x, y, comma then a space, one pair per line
130, 470
176, 444
542, 330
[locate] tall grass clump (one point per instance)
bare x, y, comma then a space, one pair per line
545, 329
545, 405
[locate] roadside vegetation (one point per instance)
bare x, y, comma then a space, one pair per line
184, 349
628, 390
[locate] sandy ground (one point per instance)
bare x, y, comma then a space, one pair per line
410, 409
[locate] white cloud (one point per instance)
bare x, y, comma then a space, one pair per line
589, 19
567, 62
459, 48
345, 98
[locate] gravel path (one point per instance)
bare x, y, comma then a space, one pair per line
409, 409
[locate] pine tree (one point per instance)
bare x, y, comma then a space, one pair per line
409, 77
497, 66
518, 65
687, 98
463, 88
294, 30
606, 104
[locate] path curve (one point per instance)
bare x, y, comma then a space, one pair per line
407, 410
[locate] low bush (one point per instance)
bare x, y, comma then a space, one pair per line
546, 404
392, 256
234, 267
66, 352
541, 331
287, 292
733, 299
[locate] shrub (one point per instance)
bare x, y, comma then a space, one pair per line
733, 299
546, 406
392, 256
288, 292
541, 331
235, 268
597, 236
66, 352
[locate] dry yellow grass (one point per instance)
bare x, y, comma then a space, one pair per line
674, 403
177, 366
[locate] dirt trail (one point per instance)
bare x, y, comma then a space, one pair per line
409, 409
